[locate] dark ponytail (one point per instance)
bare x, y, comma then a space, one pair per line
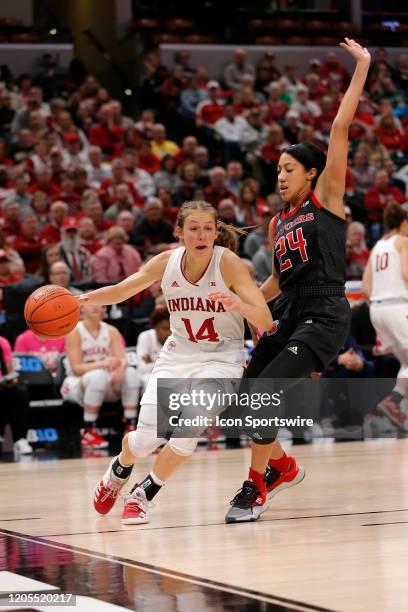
309, 156
394, 215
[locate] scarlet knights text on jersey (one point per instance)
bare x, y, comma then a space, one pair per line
309, 246
193, 316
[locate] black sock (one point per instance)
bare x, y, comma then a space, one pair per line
150, 487
121, 471
397, 397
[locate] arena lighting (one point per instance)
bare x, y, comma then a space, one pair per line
53, 31
128, 92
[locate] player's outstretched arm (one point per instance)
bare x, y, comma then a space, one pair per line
253, 306
331, 184
151, 272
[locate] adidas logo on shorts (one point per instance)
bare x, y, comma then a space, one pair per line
294, 349
175, 284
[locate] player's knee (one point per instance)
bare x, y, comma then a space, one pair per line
97, 379
183, 446
141, 443
132, 378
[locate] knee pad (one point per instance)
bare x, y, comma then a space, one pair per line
183, 446
95, 384
143, 442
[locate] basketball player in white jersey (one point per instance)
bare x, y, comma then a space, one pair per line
98, 371
385, 283
208, 291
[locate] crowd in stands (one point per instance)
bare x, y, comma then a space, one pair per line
88, 193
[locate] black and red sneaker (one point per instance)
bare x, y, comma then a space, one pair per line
276, 481
247, 505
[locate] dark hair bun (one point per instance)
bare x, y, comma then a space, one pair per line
394, 215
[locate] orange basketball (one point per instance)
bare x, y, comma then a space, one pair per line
51, 312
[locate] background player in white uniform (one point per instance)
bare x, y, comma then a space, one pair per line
385, 282
150, 342
206, 342
98, 371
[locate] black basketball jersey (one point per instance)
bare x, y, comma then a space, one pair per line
309, 246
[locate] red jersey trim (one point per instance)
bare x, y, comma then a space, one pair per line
315, 200
272, 228
203, 274
295, 210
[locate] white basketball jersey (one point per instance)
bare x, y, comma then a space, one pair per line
387, 280
195, 320
95, 349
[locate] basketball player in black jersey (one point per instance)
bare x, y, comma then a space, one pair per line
309, 260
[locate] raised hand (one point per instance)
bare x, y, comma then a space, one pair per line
359, 53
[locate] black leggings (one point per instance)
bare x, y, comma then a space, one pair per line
288, 365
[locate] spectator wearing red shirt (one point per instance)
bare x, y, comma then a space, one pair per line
107, 189
246, 101
378, 196
69, 195
217, 190
56, 164
29, 245
186, 152
93, 208
212, 109
170, 212
44, 183
106, 134
87, 235
75, 156
122, 201
277, 108
332, 68
324, 121
52, 232
390, 135
271, 150
6, 277
12, 221
147, 160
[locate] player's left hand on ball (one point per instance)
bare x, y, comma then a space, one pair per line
226, 300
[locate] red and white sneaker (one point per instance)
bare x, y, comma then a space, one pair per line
91, 439
107, 491
392, 410
276, 481
136, 508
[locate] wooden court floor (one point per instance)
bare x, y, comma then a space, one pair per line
338, 541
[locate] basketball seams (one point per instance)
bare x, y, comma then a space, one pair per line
55, 318
49, 299
57, 326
